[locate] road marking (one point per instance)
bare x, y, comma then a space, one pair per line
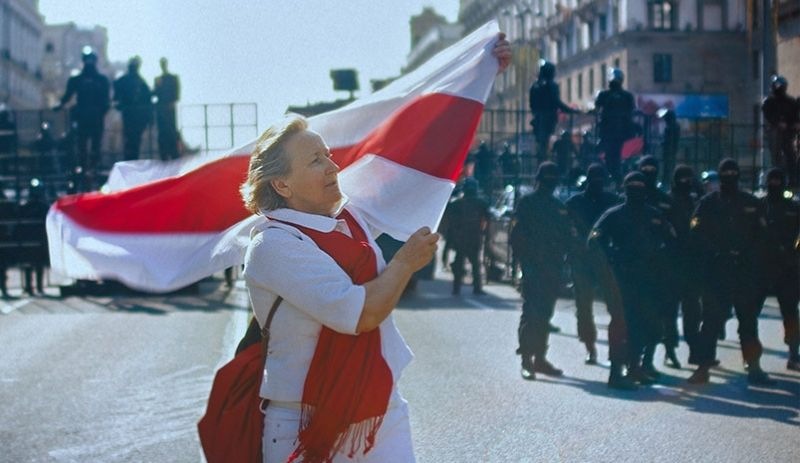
7, 308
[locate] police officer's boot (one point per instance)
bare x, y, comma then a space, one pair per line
700, 376
757, 376
647, 362
616, 380
591, 354
40, 281
794, 357
541, 365
671, 359
527, 367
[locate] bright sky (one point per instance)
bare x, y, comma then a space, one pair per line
275, 53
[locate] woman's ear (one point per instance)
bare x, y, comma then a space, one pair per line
281, 187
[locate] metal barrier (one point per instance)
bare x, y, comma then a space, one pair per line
29, 149
702, 144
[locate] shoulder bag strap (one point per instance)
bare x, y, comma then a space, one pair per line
265, 329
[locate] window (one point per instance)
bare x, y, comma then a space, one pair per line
603, 74
662, 68
712, 15
661, 14
616, 63
580, 86
602, 22
591, 81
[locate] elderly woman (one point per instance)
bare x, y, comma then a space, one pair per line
335, 354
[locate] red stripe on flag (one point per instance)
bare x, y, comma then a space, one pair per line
431, 134
204, 200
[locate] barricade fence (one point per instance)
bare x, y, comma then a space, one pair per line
701, 145
39, 154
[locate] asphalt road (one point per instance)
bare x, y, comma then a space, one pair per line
125, 379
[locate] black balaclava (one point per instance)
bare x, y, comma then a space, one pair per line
682, 180
596, 176
728, 177
648, 166
635, 189
547, 177
470, 187
776, 184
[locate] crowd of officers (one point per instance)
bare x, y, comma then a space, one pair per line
649, 255
23, 240
134, 99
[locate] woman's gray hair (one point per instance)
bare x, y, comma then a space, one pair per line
268, 162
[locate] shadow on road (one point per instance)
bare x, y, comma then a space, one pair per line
728, 394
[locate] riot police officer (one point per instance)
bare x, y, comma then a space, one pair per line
132, 98
467, 219
782, 262
633, 236
92, 90
782, 113
544, 99
586, 265
615, 107
167, 90
687, 288
668, 310
485, 166
541, 237
729, 226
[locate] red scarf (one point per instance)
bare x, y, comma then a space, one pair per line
347, 389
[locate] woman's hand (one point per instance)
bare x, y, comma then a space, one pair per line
502, 51
418, 251
383, 292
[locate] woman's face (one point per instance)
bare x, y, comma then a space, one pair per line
312, 184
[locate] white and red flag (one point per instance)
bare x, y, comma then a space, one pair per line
164, 226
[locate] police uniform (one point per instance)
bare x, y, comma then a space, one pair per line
782, 113
633, 237
167, 89
729, 230
542, 236
92, 90
782, 267
544, 99
132, 96
686, 264
586, 265
616, 107
466, 219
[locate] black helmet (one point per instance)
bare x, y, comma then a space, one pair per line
547, 169
616, 75
596, 170
728, 164
779, 83
134, 63
88, 56
547, 70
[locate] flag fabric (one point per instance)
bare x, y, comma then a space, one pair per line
162, 226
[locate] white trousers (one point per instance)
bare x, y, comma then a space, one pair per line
392, 444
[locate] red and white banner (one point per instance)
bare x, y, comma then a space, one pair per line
164, 226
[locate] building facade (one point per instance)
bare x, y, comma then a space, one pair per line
788, 42
21, 28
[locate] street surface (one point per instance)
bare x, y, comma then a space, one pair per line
125, 379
